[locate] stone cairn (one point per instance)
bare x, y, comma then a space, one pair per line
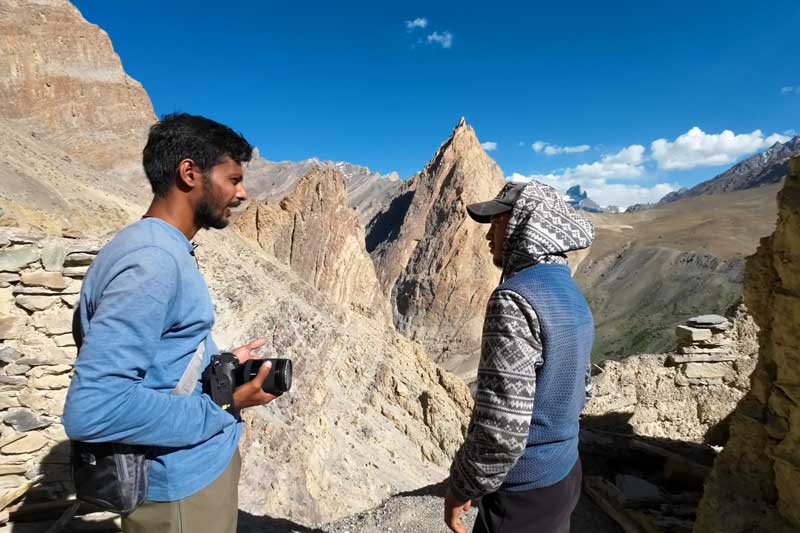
705, 350
40, 280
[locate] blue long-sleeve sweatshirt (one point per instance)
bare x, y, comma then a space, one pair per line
144, 308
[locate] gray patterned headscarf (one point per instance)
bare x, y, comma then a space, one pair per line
542, 229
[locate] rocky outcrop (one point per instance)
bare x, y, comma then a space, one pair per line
320, 238
62, 82
432, 260
755, 484
678, 396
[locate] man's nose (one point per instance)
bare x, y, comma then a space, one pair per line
241, 193
489, 233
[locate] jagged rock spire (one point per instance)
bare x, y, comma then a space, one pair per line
432, 259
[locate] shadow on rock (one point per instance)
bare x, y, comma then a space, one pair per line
251, 523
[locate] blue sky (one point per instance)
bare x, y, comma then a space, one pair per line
573, 92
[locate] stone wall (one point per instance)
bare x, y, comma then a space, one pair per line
40, 278
682, 395
755, 484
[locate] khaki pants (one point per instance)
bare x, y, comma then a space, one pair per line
214, 509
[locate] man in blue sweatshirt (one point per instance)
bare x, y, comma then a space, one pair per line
144, 310
520, 454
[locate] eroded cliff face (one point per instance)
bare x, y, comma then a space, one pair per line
61, 81
755, 484
432, 260
320, 238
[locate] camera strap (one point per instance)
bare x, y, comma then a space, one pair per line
191, 375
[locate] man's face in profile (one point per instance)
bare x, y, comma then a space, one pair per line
222, 191
497, 236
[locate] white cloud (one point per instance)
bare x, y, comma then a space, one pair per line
696, 148
420, 22
445, 38
625, 164
553, 149
489, 146
790, 89
622, 195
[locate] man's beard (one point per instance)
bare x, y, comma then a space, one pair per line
207, 213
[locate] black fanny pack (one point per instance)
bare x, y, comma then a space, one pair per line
113, 476
110, 475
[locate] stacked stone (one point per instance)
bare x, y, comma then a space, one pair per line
705, 351
40, 279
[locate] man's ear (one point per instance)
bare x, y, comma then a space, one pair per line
188, 175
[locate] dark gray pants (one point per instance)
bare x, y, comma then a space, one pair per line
545, 510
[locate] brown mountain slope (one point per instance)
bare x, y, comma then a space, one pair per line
650, 270
62, 80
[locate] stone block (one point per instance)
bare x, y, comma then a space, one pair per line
75, 272
48, 403
673, 360
54, 252
40, 278
21, 236
85, 247
35, 303
70, 300
689, 350
705, 370
50, 382
11, 327
7, 470
8, 354
7, 301
14, 369
77, 259
7, 402
52, 370
27, 444
54, 323
690, 334
16, 258
13, 380
23, 420
64, 340
7, 279
704, 382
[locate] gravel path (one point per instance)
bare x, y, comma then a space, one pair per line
416, 513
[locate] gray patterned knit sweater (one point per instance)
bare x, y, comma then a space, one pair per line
542, 228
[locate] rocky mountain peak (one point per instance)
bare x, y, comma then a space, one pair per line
432, 260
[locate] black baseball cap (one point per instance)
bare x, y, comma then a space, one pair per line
483, 212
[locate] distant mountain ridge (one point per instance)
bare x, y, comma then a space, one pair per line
366, 190
764, 168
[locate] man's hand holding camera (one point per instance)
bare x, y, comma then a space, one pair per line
251, 394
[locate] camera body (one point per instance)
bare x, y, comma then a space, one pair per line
224, 373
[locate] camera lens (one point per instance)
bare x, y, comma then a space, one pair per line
279, 378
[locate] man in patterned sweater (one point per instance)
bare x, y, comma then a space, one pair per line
520, 454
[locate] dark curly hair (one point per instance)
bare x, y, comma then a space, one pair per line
180, 136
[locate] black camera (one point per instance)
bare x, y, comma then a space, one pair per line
224, 373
